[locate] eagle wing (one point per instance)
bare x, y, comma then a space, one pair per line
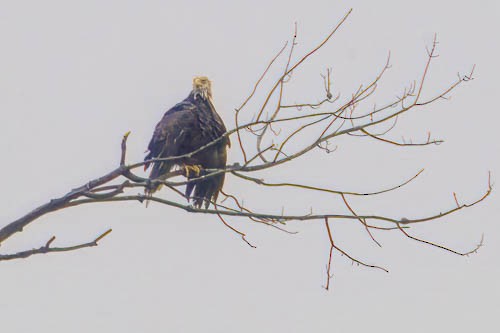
169, 137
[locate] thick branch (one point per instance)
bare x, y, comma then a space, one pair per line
62, 202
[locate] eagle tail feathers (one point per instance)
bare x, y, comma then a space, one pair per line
205, 191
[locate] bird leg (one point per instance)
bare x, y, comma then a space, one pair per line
192, 171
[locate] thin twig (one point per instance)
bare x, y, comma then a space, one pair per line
474, 250
47, 249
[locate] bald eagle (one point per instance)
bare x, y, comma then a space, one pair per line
185, 128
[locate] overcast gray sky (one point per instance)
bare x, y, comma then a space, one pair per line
76, 75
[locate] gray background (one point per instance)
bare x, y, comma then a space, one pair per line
74, 76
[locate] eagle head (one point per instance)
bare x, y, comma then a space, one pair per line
202, 87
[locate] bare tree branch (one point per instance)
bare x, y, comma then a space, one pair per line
272, 138
47, 249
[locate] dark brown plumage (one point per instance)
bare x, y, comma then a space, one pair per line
185, 128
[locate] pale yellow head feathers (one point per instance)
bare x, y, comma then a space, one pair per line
202, 87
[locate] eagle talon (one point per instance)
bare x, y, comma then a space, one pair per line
195, 169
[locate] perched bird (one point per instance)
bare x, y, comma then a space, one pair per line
186, 127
